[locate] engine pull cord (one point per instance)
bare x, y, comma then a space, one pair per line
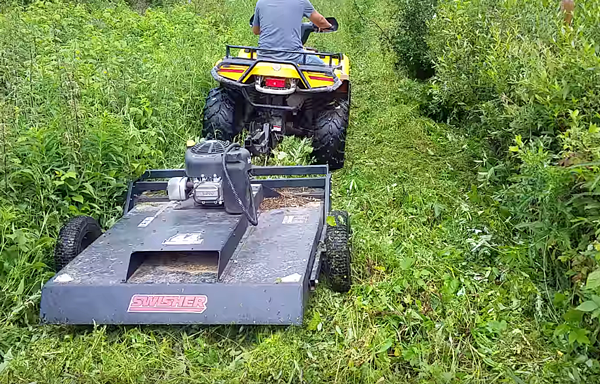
252, 220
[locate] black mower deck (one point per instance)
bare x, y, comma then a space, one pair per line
176, 263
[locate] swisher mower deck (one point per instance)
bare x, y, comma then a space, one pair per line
173, 262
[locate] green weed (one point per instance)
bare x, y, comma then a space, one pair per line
436, 298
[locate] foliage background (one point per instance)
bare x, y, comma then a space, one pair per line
515, 76
473, 194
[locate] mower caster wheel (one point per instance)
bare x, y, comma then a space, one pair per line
336, 258
74, 237
329, 140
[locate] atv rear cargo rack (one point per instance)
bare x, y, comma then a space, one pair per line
328, 70
253, 50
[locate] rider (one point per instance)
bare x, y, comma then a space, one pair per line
277, 22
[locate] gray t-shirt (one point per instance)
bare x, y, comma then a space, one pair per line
279, 22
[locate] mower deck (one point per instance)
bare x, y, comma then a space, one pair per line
176, 263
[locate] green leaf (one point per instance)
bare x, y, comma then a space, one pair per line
69, 175
78, 198
587, 306
562, 329
593, 280
331, 221
572, 337
496, 326
573, 316
519, 140
559, 299
406, 263
578, 335
314, 322
21, 287
385, 346
89, 189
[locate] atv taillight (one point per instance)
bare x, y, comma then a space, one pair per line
274, 82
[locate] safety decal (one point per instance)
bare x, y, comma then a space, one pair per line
185, 239
146, 222
295, 219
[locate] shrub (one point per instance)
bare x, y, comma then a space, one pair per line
506, 68
89, 98
511, 71
410, 37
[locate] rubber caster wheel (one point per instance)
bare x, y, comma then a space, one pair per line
74, 237
337, 258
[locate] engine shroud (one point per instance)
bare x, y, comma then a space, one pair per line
204, 164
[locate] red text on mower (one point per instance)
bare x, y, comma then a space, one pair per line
168, 303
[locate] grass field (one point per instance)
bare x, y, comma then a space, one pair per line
430, 302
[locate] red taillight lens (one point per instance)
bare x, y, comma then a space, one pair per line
274, 82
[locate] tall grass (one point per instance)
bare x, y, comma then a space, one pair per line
432, 301
89, 97
513, 74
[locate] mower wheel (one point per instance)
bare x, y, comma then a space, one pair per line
219, 115
329, 140
336, 259
74, 237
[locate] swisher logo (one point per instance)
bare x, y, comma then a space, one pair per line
168, 303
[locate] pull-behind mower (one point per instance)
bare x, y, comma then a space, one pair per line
268, 99
184, 251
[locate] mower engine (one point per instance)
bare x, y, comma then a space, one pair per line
218, 174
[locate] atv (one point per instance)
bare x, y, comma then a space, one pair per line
269, 99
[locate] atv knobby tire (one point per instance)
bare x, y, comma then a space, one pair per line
336, 258
329, 139
74, 237
219, 115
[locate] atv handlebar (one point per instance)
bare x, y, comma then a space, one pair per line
334, 25
308, 28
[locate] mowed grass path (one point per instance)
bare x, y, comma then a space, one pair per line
429, 302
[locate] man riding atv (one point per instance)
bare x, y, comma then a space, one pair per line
278, 23
282, 88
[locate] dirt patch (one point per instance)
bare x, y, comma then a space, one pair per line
290, 198
176, 267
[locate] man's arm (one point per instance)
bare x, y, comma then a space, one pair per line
318, 20
311, 13
256, 21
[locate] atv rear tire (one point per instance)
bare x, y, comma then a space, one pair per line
329, 140
219, 115
74, 237
337, 258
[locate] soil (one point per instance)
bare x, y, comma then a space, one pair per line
289, 198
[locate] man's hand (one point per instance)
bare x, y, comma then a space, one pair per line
256, 30
319, 21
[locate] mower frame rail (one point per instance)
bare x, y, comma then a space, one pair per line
259, 275
146, 182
